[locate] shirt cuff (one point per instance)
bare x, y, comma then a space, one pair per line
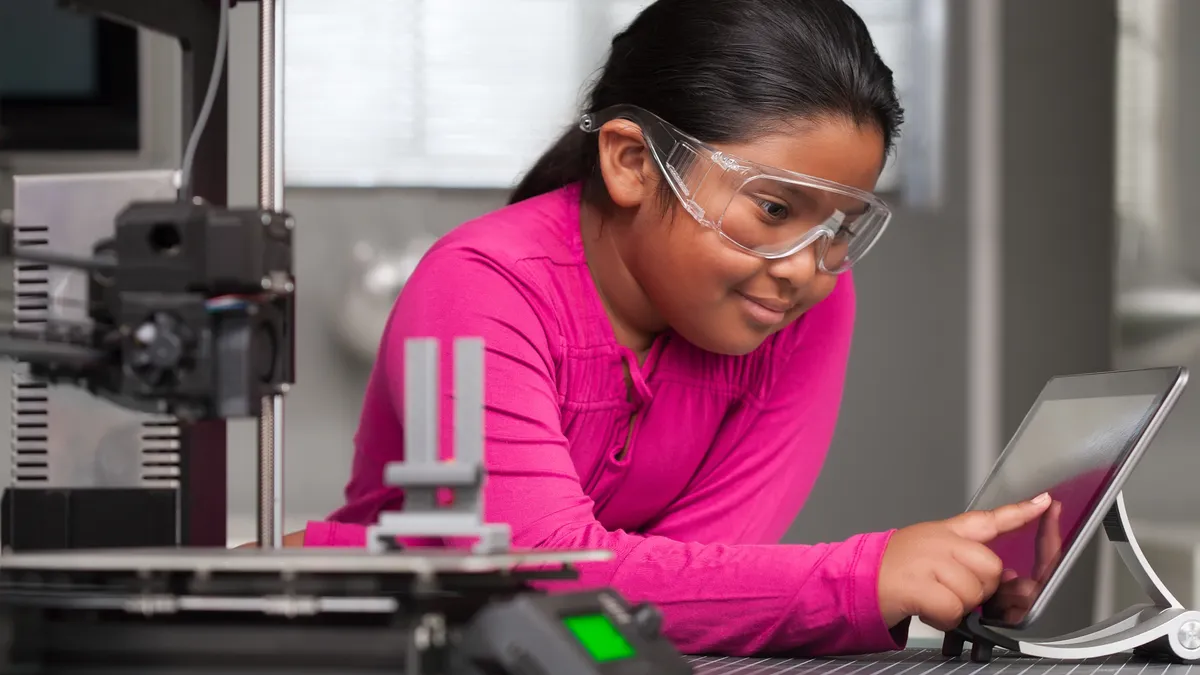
868, 619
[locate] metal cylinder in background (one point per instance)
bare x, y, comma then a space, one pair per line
270, 196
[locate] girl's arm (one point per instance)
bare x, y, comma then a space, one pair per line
716, 598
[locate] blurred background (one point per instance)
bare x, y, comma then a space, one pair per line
1046, 188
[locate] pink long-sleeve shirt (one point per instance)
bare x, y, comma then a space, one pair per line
691, 480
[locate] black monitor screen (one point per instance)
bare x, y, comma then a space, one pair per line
68, 81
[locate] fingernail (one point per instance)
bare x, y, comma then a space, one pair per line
1041, 499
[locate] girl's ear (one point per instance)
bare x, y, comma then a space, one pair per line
626, 164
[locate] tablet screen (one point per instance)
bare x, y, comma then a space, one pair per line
1071, 448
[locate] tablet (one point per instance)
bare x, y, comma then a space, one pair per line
1079, 442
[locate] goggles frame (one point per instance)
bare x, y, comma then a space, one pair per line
658, 132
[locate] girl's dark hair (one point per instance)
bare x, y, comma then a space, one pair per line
724, 70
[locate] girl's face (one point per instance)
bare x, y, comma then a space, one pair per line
714, 295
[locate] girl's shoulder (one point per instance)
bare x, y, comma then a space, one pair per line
542, 228
521, 265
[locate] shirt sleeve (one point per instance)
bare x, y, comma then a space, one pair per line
716, 597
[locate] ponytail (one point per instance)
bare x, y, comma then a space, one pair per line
573, 158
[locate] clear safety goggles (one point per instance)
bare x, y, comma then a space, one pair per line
762, 210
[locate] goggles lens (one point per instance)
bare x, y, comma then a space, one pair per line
775, 218
762, 210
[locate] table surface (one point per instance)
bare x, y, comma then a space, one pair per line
297, 560
931, 662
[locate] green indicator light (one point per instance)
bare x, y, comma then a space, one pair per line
599, 637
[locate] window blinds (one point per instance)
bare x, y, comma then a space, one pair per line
459, 93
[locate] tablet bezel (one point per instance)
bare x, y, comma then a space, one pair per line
1165, 384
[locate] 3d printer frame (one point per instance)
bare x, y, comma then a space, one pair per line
36, 517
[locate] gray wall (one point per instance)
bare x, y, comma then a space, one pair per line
1163, 489
1058, 217
1183, 173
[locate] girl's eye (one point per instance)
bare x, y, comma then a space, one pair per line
773, 210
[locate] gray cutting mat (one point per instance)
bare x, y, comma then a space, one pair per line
931, 662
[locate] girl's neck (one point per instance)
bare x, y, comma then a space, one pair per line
634, 320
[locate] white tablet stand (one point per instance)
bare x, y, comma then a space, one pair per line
1160, 629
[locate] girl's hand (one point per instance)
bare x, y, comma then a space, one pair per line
941, 571
1016, 595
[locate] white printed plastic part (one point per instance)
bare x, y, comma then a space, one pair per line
422, 473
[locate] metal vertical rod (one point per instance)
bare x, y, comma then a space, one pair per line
270, 196
985, 285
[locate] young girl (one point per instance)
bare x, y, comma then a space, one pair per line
668, 315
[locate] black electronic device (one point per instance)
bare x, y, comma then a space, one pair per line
189, 312
68, 81
592, 633
1079, 443
189, 307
